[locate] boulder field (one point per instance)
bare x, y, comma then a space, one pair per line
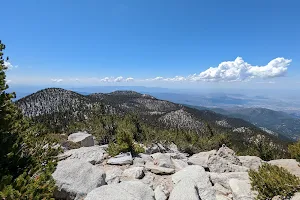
160, 173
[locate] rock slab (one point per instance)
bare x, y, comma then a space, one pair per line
75, 178
195, 176
127, 190
82, 138
121, 159
93, 154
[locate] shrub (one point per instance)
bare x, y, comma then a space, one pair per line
294, 150
271, 180
124, 143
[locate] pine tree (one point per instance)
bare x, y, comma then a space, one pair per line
13, 160
25, 167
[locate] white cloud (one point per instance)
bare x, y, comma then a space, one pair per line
157, 78
228, 71
10, 66
176, 78
239, 70
8, 81
129, 79
57, 80
119, 79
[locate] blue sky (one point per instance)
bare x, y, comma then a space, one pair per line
167, 43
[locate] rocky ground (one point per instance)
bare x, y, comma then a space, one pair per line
161, 173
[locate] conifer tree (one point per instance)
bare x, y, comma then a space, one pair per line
12, 160
24, 174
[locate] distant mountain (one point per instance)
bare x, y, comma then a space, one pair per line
58, 109
273, 122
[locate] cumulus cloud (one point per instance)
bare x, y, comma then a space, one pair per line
228, 71
57, 80
119, 79
239, 70
9, 65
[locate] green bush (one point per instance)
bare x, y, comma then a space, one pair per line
294, 150
124, 143
271, 180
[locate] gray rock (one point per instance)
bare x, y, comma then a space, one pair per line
149, 179
93, 154
162, 149
128, 190
160, 193
225, 160
134, 172
145, 157
138, 161
162, 160
155, 148
113, 175
104, 147
159, 170
241, 189
173, 148
178, 155
278, 197
223, 178
152, 149
296, 196
82, 138
185, 189
196, 174
251, 162
201, 158
222, 193
289, 164
179, 164
121, 159
75, 178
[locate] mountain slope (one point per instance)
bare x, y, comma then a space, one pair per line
274, 122
60, 109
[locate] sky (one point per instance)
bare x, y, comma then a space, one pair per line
157, 43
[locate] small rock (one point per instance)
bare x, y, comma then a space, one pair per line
113, 175
196, 174
129, 190
121, 159
296, 196
160, 193
251, 162
225, 160
145, 157
173, 148
222, 192
162, 160
179, 164
201, 158
134, 172
82, 138
152, 149
138, 161
241, 189
185, 189
223, 178
159, 170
